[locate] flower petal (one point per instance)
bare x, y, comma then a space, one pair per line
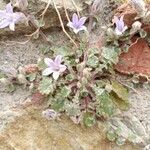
2, 14
4, 23
58, 60
50, 114
56, 75
118, 32
9, 8
49, 62
47, 72
115, 19
80, 29
62, 68
70, 24
82, 21
75, 18
17, 17
12, 26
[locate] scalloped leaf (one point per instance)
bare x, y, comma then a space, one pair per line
111, 54
89, 120
46, 86
93, 61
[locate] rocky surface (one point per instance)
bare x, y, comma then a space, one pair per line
32, 131
36, 8
26, 129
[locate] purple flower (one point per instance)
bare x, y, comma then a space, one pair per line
54, 67
77, 23
50, 114
9, 18
120, 26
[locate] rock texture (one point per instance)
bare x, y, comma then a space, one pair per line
32, 131
137, 60
36, 7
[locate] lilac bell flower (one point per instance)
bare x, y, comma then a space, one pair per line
54, 67
77, 23
120, 26
9, 18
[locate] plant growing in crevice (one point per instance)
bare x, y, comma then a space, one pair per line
78, 80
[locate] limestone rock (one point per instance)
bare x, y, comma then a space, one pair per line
32, 131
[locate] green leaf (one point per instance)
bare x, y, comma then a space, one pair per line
106, 106
46, 86
93, 61
111, 54
89, 120
41, 64
63, 50
127, 128
111, 135
69, 77
58, 105
31, 77
65, 91
70, 61
72, 109
120, 141
119, 95
2, 75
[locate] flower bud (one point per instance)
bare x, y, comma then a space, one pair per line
137, 25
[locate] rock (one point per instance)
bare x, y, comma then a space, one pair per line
137, 60
36, 8
32, 131
130, 14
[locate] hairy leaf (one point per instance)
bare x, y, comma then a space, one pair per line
93, 61
46, 86
72, 109
106, 106
111, 54
89, 120
63, 50
65, 91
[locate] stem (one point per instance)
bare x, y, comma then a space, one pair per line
62, 25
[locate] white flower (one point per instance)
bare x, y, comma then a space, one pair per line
54, 67
137, 25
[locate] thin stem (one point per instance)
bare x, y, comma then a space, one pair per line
45, 10
64, 4
76, 7
62, 25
